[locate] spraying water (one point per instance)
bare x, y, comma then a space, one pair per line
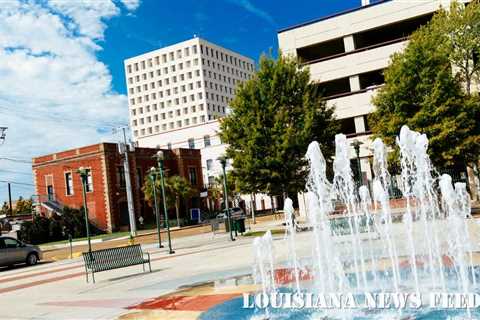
433, 207
290, 237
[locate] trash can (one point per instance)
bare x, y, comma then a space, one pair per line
241, 225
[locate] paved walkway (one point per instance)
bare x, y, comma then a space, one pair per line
58, 290
181, 286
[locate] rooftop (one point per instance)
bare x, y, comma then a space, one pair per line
332, 16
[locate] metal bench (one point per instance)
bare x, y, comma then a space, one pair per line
114, 258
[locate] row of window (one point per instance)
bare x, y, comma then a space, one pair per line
69, 182
191, 143
174, 125
173, 68
188, 64
219, 55
219, 98
164, 58
224, 68
177, 113
176, 90
185, 52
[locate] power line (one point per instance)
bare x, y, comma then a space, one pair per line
17, 172
19, 183
56, 117
16, 160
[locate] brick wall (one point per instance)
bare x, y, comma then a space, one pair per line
107, 203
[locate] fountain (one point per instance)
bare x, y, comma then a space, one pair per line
425, 247
416, 261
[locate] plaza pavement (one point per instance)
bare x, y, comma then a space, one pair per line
205, 270
58, 290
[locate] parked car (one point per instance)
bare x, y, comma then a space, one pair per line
13, 252
234, 213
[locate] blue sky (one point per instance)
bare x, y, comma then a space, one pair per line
61, 78
249, 27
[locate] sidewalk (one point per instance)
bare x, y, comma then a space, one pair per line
149, 237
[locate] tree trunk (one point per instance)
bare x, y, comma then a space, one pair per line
177, 211
252, 204
185, 201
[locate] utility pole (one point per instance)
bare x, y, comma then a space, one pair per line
10, 199
128, 184
3, 133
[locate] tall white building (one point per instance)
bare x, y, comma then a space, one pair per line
347, 53
177, 94
182, 85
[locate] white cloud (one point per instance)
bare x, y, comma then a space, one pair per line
131, 4
54, 92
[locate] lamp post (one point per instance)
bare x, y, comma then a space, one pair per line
84, 177
223, 161
160, 158
356, 145
153, 177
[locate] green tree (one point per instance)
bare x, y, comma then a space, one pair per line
275, 115
422, 92
231, 184
179, 188
23, 206
5, 208
176, 188
460, 28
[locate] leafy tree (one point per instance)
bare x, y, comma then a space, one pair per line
5, 208
422, 92
179, 188
23, 206
176, 188
231, 184
460, 27
275, 115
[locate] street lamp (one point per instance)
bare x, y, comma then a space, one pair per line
160, 158
356, 145
153, 177
84, 177
223, 161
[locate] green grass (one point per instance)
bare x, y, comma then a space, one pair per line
261, 233
105, 236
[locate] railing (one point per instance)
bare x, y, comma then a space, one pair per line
338, 55
350, 93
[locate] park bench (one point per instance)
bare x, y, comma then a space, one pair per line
114, 258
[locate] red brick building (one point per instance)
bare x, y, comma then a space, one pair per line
58, 184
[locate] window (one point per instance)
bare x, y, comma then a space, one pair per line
211, 181
191, 143
68, 183
209, 164
121, 176
169, 146
89, 186
206, 140
192, 176
10, 243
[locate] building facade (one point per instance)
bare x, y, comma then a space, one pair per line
177, 95
347, 53
182, 85
58, 184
